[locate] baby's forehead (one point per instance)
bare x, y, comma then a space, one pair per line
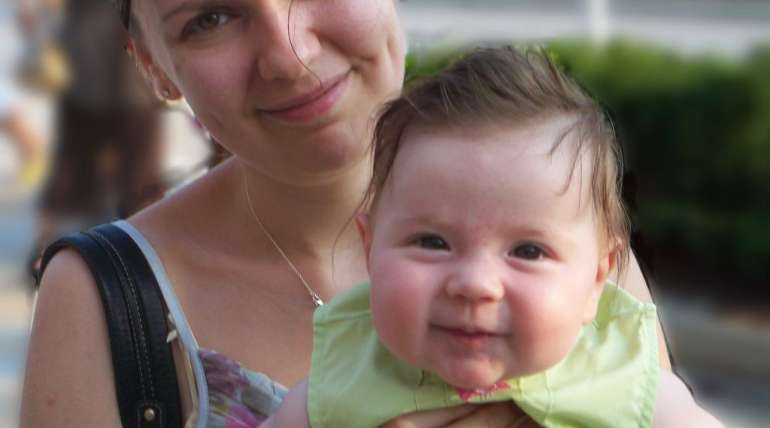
538, 153
546, 132
537, 144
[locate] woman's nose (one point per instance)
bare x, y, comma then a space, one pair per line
288, 45
476, 280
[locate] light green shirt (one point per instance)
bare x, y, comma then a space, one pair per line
608, 379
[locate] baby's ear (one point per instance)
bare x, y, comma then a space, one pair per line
607, 263
161, 85
364, 229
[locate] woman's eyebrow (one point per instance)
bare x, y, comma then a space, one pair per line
184, 6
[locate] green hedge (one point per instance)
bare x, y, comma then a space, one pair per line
696, 135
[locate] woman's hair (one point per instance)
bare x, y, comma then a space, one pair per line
124, 9
505, 85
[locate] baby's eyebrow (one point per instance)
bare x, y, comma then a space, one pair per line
425, 220
414, 219
534, 231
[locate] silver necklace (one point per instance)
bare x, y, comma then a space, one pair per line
313, 295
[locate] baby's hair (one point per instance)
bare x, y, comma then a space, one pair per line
505, 85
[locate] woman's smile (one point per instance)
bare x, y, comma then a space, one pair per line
311, 106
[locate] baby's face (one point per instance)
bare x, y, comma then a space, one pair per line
484, 257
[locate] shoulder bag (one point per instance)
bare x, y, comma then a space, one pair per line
146, 385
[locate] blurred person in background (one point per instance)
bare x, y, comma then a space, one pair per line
107, 155
13, 124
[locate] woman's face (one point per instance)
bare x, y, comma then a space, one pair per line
292, 106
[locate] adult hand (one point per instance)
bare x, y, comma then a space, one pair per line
497, 415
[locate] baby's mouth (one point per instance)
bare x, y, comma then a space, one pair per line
470, 332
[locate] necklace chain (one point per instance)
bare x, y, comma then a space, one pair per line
317, 301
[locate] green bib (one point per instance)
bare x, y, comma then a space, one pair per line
608, 379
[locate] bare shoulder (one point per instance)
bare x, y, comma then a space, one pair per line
68, 376
675, 406
633, 281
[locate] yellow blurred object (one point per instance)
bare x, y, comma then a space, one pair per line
32, 173
47, 72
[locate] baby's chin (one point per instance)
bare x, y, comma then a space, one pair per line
481, 374
473, 376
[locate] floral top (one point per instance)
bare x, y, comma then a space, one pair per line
238, 397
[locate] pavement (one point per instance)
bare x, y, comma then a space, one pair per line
15, 300
723, 358
15, 310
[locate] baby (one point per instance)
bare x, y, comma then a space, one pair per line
494, 219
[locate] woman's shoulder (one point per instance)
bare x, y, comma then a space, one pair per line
67, 298
68, 372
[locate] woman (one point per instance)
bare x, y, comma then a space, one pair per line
291, 89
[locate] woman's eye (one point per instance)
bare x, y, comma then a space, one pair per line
206, 22
528, 252
431, 242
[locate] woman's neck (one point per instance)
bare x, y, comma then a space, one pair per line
209, 224
307, 219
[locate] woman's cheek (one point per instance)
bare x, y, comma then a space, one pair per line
211, 85
362, 27
214, 74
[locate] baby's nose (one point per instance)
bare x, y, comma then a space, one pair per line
475, 280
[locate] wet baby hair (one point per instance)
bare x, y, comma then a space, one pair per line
507, 85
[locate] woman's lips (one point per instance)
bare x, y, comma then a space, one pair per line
313, 105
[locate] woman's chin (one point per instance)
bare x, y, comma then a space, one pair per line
333, 158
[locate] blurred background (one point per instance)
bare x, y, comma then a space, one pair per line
687, 83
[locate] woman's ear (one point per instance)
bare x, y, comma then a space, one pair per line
364, 229
161, 85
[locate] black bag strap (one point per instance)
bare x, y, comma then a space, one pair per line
145, 378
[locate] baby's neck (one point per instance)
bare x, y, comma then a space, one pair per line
468, 394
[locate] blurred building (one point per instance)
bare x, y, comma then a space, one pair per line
693, 26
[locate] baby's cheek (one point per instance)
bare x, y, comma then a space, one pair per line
546, 338
397, 317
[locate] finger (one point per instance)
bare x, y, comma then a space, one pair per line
497, 415
432, 418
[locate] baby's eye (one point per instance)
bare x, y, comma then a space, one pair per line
528, 252
431, 242
207, 21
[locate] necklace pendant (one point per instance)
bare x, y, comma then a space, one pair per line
316, 300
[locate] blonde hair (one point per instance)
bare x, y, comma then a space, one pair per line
500, 85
